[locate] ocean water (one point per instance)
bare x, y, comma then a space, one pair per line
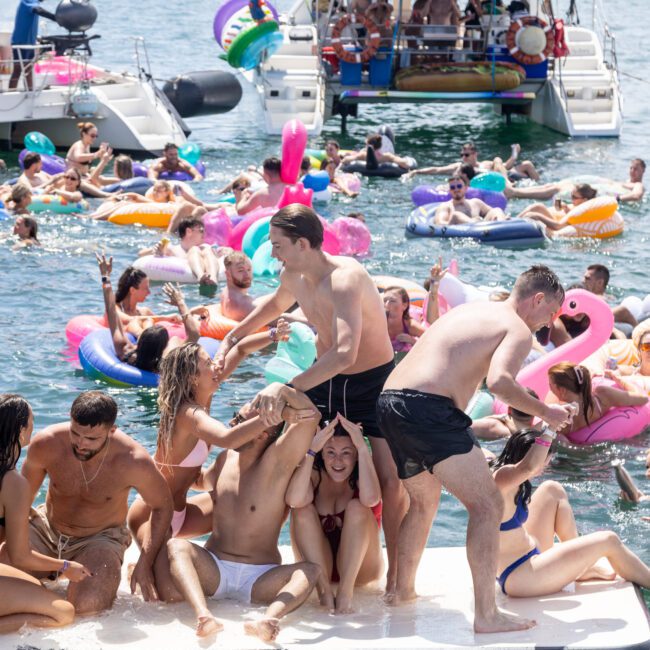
40, 290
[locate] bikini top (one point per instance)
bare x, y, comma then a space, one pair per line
195, 458
518, 519
401, 346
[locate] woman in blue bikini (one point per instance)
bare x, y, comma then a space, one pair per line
530, 562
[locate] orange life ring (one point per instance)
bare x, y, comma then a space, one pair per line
373, 38
513, 48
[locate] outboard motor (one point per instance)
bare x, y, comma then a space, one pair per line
203, 93
75, 16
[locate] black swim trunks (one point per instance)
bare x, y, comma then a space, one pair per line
422, 429
354, 396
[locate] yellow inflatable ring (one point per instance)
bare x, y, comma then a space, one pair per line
155, 215
597, 218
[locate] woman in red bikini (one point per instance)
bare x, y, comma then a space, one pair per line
336, 512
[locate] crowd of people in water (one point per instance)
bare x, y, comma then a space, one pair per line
354, 445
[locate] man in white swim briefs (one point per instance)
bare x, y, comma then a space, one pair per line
421, 414
241, 559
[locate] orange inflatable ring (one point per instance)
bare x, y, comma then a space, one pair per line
373, 38
513, 47
597, 218
217, 326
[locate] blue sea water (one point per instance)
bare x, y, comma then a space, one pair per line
40, 290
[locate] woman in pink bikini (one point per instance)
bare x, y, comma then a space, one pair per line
403, 330
336, 512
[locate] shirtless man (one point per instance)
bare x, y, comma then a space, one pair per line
374, 142
421, 415
469, 156
235, 301
171, 162
191, 247
355, 355
265, 197
544, 192
92, 467
462, 210
241, 558
33, 175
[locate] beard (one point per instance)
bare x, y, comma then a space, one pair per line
242, 284
87, 455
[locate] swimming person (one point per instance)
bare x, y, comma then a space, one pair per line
530, 563
171, 163
241, 559
335, 502
92, 466
355, 357
420, 412
24, 601
26, 229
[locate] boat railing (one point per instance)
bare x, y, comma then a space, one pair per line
143, 63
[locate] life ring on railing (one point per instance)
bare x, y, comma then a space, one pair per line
513, 42
373, 38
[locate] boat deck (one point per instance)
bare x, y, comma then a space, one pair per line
597, 615
406, 97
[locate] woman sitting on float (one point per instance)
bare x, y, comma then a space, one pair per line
336, 512
637, 374
572, 383
67, 186
340, 181
530, 563
122, 169
154, 342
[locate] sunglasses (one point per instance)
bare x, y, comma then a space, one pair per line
236, 188
465, 154
71, 178
456, 186
644, 347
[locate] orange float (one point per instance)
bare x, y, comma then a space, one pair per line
513, 46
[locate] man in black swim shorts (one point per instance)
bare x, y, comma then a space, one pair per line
420, 413
354, 353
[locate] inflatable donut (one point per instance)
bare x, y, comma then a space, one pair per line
597, 218
518, 50
55, 203
182, 175
155, 215
137, 184
426, 194
293, 356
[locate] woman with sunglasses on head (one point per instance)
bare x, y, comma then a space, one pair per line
571, 383
530, 562
66, 185
335, 501
24, 601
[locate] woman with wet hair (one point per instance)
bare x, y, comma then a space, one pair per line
24, 601
530, 562
26, 229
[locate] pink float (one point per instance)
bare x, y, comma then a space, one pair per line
65, 70
238, 232
601, 322
330, 240
618, 423
353, 235
294, 141
218, 227
296, 194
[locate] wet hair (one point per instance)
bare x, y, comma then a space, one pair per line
516, 447
272, 165
374, 141
601, 271
84, 127
92, 408
319, 464
177, 372
298, 221
235, 257
403, 294
31, 158
470, 145
33, 227
356, 215
539, 279
457, 177
467, 170
585, 191
168, 146
305, 164
635, 160
77, 173
19, 192
520, 414
575, 378
131, 277
187, 224
123, 167
150, 348
14, 416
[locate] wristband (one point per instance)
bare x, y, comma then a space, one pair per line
543, 443
105, 279
232, 339
547, 431
273, 334
311, 452
65, 567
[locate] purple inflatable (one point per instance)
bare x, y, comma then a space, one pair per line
182, 176
425, 194
227, 10
51, 164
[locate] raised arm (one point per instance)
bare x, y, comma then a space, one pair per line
175, 297
152, 487
506, 362
95, 176
120, 340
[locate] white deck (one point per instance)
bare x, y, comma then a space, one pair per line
597, 615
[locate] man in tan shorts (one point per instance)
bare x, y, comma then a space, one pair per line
92, 467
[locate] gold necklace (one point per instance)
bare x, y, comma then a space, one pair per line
86, 481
